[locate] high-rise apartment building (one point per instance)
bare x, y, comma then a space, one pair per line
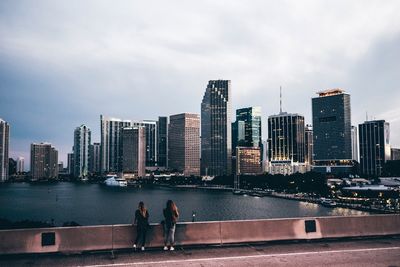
162, 142
4, 149
94, 158
70, 162
216, 141
44, 161
151, 141
111, 141
332, 132
20, 165
374, 139
82, 136
286, 143
111, 152
134, 150
308, 141
184, 143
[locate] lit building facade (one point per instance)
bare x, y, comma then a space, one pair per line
44, 161
4, 149
134, 150
248, 161
184, 143
332, 132
216, 140
82, 136
286, 143
374, 139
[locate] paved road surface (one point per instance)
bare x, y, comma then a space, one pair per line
364, 252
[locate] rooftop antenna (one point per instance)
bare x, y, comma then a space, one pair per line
366, 116
280, 99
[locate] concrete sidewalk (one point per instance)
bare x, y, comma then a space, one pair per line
362, 252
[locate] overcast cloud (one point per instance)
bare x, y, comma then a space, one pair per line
63, 63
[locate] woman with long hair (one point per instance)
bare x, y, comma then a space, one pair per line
142, 223
171, 215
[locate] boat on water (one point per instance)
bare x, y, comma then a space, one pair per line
116, 181
327, 203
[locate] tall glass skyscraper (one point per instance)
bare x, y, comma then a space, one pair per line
332, 132
374, 146
111, 152
134, 150
4, 147
162, 141
82, 135
216, 142
252, 127
286, 143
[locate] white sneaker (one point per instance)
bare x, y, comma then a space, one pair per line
142, 248
172, 248
134, 246
165, 248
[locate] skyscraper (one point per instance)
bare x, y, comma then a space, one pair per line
286, 145
216, 142
94, 158
308, 140
354, 143
184, 143
248, 160
70, 158
4, 147
332, 132
134, 150
374, 146
20, 165
111, 153
111, 142
151, 141
44, 161
162, 141
82, 135
252, 126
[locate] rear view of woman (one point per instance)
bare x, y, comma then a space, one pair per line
171, 215
142, 223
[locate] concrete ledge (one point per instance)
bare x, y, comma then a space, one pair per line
108, 237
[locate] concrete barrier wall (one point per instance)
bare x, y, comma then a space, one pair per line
86, 238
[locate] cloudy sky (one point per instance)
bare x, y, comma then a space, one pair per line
63, 63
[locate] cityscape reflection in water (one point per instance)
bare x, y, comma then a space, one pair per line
94, 204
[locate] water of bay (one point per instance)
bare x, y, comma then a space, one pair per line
94, 204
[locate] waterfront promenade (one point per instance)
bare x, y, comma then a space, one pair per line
348, 252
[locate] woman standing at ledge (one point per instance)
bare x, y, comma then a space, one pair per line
142, 223
171, 215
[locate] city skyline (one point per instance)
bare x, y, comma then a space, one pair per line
58, 60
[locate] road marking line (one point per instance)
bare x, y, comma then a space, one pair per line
242, 257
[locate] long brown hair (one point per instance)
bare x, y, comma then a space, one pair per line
172, 207
142, 209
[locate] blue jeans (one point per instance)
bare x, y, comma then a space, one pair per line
169, 234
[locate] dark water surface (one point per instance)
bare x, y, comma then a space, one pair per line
91, 204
